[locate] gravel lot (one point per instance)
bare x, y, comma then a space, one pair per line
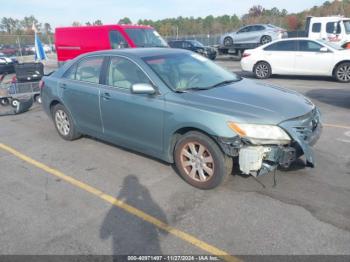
308, 212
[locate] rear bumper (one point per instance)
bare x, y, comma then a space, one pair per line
247, 64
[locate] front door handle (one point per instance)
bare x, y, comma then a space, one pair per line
63, 85
106, 96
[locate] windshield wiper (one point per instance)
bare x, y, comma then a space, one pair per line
226, 82
196, 88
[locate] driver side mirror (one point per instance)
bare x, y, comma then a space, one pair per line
324, 49
143, 88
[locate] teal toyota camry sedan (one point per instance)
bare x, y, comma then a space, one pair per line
182, 108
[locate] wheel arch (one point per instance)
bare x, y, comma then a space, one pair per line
259, 61
337, 64
179, 133
265, 35
55, 102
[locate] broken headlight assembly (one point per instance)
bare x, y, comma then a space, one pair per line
261, 134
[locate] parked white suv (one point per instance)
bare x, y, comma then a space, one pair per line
298, 56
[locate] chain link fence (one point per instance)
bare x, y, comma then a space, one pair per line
23, 45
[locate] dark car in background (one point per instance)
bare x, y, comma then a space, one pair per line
195, 46
7, 65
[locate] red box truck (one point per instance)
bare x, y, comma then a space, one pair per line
73, 41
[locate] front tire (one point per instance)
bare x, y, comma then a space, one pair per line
262, 70
342, 72
64, 123
200, 161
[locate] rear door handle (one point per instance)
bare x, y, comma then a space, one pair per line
63, 85
106, 96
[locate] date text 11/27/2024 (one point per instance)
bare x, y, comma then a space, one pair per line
173, 258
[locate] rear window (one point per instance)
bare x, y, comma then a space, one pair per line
88, 70
282, 46
146, 37
316, 27
176, 44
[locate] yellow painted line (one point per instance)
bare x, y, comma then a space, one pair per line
336, 126
118, 203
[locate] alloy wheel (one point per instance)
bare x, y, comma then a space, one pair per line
262, 70
343, 73
197, 162
265, 40
62, 122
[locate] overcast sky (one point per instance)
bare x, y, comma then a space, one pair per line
63, 13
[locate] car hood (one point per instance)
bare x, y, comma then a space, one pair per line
249, 102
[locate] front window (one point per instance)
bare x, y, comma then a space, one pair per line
183, 71
347, 26
309, 46
333, 28
122, 73
117, 40
146, 37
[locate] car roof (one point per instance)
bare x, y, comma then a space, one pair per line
140, 52
295, 38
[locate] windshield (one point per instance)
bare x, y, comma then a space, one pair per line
196, 43
146, 37
183, 71
330, 44
347, 26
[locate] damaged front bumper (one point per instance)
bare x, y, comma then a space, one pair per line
259, 160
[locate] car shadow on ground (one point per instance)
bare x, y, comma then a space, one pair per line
334, 97
131, 235
288, 77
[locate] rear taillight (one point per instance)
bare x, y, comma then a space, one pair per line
41, 84
245, 55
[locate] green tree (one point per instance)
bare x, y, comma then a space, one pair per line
97, 22
28, 21
47, 28
125, 20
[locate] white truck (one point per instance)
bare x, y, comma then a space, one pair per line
334, 29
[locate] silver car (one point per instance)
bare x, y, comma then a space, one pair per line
254, 34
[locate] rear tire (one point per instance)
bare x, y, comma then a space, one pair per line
228, 41
200, 161
262, 70
4, 101
15, 103
64, 123
265, 39
342, 72
37, 98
